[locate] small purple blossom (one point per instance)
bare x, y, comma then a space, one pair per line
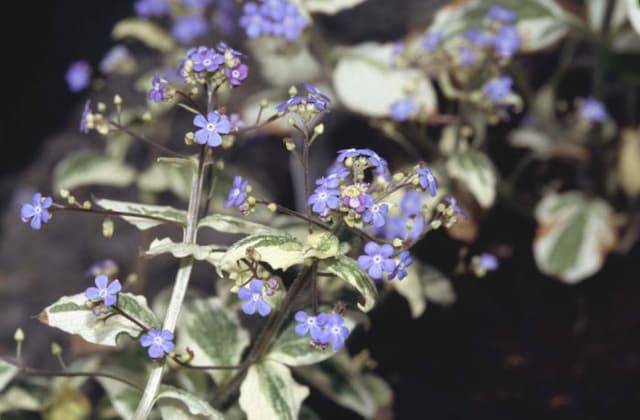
206, 59
273, 17
427, 181
507, 41
375, 215
237, 74
323, 199
158, 92
309, 324
453, 204
36, 212
84, 118
335, 332
253, 22
254, 300
498, 88
501, 14
152, 8
359, 202
114, 58
478, 37
159, 343
198, 4
330, 181
592, 110
104, 291
108, 267
467, 56
211, 128
236, 122
377, 260
78, 76
487, 262
400, 272
237, 194
373, 158
432, 40
187, 28
402, 109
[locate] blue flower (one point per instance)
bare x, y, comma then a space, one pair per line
402, 109
36, 211
335, 332
309, 324
507, 41
315, 97
159, 343
187, 28
254, 301
376, 214
78, 76
330, 181
453, 205
498, 88
478, 37
404, 261
198, 4
488, 262
158, 92
432, 40
501, 14
206, 59
104, 291
378, 163
323, 199
274, 17
592, 110
84, 118
211, 128
467, 56
237, 194
426, 180
377, 260
253, 22
152, 8
291, 25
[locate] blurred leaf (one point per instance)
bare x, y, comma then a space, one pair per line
348, 270
424, 283
68, 404
181, 250
87, 167
164, 212
365, 82
633, 10
270, 392
145, 31
232, 224
575, 234
475, 171
214, 334
329, 7
596, 11
337, 380
123, 397
24, 397
72, 315
7, 372
278, 250
164, 177
178, 404
629, 162
283, 63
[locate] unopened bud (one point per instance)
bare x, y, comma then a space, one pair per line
101, 107
86, 205
264, 103
146, 117
289, 144
132, 278
293, 91
318, 129
19, 335
64, 193
117, 99
273, 207
189, 138
291, 122
108, 227
56, 350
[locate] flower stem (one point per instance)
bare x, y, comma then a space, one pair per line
179, 288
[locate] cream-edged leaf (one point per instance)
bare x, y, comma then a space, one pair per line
178, 404
231, 224
7, 372
145, 31
348, 270
88, 167
167, 213
278, 250
181, 249
475, 171
329, 7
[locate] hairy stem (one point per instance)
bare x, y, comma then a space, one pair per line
144, 139
179, 288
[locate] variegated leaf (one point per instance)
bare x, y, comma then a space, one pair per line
145, 31
178, 404
347, 269
164, 212
181, 249
88, 167
232, 224
475, 171
278, 250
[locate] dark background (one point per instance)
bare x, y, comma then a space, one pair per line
515, 345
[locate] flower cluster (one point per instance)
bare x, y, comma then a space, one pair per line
278, 18
312, 103
345, 190
36, 212
379, 262
324, 329
253, 297
219, 65
238, 196
90, 120
152, 8
160, 91
446, 213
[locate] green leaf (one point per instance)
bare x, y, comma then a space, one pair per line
338, 381
178, 404
280, 251
347, 269
633, 9
575, 234
292, 350
231, 224
181, 250
329, 7
322, 245
475, 171
145, 31
365, 82
88, 167
269, 392
164, 177
165, 212
24, 397
7, 372
72, 315
214, 334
